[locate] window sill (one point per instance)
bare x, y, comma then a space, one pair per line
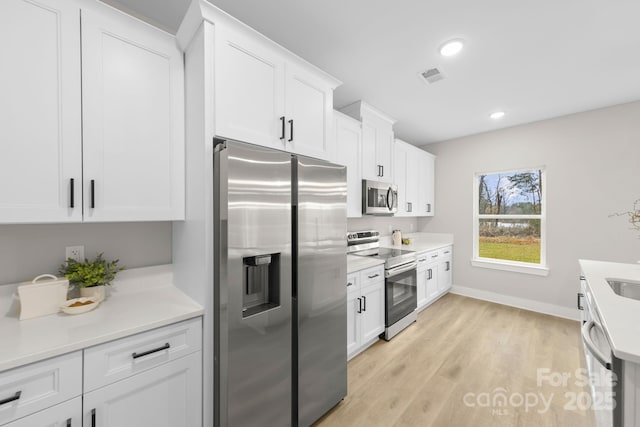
516, 267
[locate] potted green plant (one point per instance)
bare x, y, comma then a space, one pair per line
91, 276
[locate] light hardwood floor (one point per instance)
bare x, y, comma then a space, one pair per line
447, 368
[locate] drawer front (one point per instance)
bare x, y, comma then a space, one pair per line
115, 360
34, 387
423, 260
67, 414
445, 252
353, 282
371, 276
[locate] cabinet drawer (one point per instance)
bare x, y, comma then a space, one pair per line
371, 275
67, 414
34, 387
113, 361
423, 260
445, 252
353, 282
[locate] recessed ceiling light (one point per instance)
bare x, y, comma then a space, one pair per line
497, 115
451, 47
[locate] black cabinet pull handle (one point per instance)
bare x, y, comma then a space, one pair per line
72, 188
379, 170
448, 266
364, 299
580, 295
374, 276
359, 305
282, 122
12, 398
93, 417
349, 284
290, 130
422, 260
430, 271
68, 422
93, 194
148, 352
428, 207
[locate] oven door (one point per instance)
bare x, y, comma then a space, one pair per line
379, 198
401, 295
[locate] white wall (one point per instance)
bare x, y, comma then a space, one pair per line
29, 250
593, 170
384, 224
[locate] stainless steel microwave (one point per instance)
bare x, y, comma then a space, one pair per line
379, 198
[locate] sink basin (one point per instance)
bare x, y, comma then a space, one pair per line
625, 288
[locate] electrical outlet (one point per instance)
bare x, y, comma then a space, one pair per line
74, 252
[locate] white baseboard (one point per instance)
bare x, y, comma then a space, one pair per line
527, 304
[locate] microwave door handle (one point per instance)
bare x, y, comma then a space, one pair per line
593, 349
388, 194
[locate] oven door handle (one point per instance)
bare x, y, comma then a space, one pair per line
400, 269
593, 349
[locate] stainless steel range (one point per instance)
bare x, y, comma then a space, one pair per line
400, 279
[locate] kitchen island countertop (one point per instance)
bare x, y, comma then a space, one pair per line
620, 316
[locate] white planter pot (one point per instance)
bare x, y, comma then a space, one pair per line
97, 292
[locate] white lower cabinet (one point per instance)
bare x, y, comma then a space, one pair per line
167, 395
153, 378
67, 414
365, 309
434, 275
444, 270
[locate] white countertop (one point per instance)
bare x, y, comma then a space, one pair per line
140, 299
357, 263
620, 316
423, 242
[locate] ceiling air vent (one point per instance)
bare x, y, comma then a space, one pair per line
432, 75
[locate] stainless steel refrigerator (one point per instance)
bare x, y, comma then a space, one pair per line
279, 286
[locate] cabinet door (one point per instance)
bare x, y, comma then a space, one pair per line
400, 177
384, 153
66, 414
309, 113
372, 311
166, 396
348, 152
411, 181
422, 287
133, 114
370, 167
432, 288
40, 110
353, 322
444, 275
426, 184
249, 84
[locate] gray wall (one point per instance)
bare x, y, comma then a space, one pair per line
29, 250
593, 170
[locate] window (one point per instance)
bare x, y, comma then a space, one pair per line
509, 221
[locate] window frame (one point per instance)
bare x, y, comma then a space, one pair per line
540, 269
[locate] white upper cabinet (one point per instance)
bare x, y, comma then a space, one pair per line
96, 135
348, 152
265, 95
133, 113
309, 113
377, 141
414, 176
249, 89
426, 184
40, 134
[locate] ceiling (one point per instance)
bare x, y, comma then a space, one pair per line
533, 59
